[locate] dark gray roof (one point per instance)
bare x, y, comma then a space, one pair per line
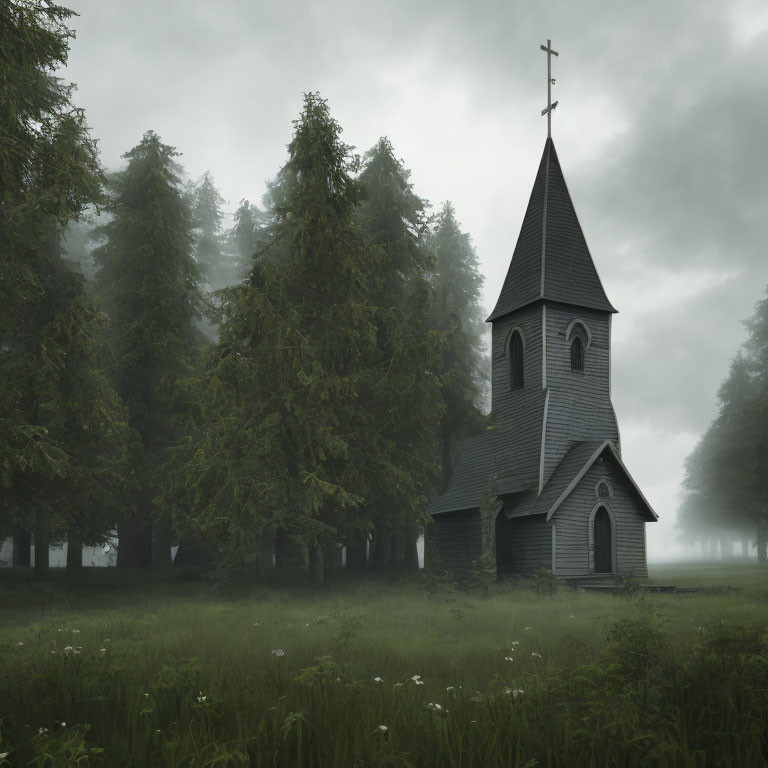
512, 455
551, 259
574, 465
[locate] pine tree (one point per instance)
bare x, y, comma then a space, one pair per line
57, 411
285, 434
458, 313
209, 241
407, 399
726, 485
243, 239
147, 279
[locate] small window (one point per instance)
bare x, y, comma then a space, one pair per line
516, 360
577, 354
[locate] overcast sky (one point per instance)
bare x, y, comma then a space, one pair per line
660, 129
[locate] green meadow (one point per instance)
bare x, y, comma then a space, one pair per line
99, 671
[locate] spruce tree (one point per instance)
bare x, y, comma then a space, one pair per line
209, 242
458, 313
57, 412
408, 404
725, 483
147, 280
285, 433
243, 239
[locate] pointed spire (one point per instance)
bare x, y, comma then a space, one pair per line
551, 259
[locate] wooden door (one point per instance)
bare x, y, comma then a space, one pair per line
602, 541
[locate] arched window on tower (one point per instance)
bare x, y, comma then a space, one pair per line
577, 354
516, 354
579, 339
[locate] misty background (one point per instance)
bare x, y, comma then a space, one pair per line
659, 129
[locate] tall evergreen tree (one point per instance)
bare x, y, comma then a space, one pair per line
285, 432
147, 279
207, 217
458, 313
410, 354
56, 409
726, 485
243, 239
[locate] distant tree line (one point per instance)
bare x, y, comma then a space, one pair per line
296, 383
726, 479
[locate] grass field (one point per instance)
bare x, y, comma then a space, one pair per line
96, 671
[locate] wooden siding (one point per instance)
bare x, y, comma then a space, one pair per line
519, 410
530, 544
580, 406
454, 542
572, 557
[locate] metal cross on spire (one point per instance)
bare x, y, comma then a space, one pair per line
550, 82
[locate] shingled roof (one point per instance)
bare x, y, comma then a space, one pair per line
509, 453
551, 259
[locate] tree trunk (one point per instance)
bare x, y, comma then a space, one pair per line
265, 550
134, 540
22, 541
411, 548
762, 541
356, 554
382, 549
42, 542
161, 541
398, 550
74, 551
316, 570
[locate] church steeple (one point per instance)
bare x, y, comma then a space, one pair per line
551, 259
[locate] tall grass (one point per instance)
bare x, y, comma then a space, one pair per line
173, 674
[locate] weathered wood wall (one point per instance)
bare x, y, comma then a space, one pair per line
530, 544
572, 556
520, 408
579, 401
455, 540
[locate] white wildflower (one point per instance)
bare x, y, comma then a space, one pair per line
449, 689
103, 650
434, 707
527, 629
537, 655
3, 755
383, 728
417, 679
377, 680
278, 652
19, 644
397, 685
147, 695
201, 698
515, 642
508, 658
41, 731
75, 631
68, 648
63, 725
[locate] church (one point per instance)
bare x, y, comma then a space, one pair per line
564, 500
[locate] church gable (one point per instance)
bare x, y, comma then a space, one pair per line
605, 485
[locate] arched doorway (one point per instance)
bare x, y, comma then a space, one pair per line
603, 541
